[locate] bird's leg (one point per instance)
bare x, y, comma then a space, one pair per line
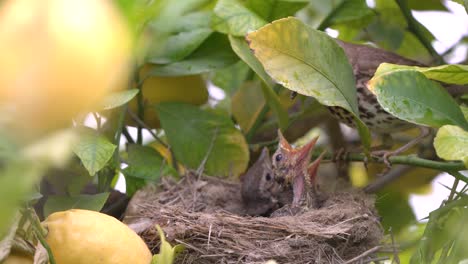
386, 154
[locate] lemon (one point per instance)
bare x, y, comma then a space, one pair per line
82, 237
186, 89
59, 59
15, 258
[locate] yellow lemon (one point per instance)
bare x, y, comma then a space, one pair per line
82, 237
15, 258
59, 58
186, 89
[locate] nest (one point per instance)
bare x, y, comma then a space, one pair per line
207, 216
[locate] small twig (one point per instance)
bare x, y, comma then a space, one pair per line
452, 166
389, 177
144, 125
127, 135
209, 235
453, 190
363, 255
98, 120
395, 259
201, 168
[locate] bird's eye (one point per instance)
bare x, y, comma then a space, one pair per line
268, 177
279, 157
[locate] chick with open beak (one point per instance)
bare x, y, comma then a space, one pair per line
291, 166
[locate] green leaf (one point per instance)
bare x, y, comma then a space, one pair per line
390, 202
410, 96
309, 62
247, 104
231, 78
464, 111
231, 17
117, 99
242, 50
240, 47
425, 5
145, 165
177, 30
196, 135
271, 10
167, 253
451, 143
215, 53
145, 162
347, 12
93, 149
56, 203
454, 73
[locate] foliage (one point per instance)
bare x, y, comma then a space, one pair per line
257, 52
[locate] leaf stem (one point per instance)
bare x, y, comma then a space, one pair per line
416, 29
39, 231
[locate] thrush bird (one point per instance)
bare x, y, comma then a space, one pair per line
292, 166
365, 61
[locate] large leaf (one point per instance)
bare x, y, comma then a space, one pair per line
145, 165
451, 143
56, 203
309, 62
247, 104
410, 96
177, 30
215, 53
231, 17
94, 150
242, 50
117, 99
196, 135
454, 73
271, 10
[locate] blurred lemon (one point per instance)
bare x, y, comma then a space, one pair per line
82, 236
15, 258
59, 58
186, 89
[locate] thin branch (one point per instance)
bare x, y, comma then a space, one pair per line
201, 168
364, 254
98, 120
415, 28
127, 135
451, 166
389, 177
144, 125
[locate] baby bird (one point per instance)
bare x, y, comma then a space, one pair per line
259, 189
291, 165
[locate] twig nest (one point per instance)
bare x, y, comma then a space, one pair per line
208, 217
